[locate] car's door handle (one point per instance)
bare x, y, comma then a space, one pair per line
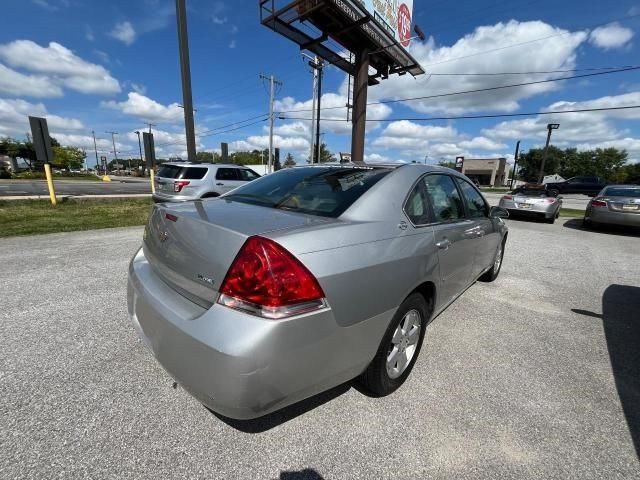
220, 184
443, 244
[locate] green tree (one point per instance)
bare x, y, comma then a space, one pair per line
448, 164
289, 161
68, 157
207, 157
325, 154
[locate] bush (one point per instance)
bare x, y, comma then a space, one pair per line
4, 173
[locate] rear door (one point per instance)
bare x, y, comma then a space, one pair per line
452, 232
485, 236
227, 178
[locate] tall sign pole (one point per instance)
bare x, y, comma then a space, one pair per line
360, 85
272, 94
550, 128
185, 69
95, 148
515, 164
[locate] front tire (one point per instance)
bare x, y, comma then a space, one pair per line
399, 348
492, 274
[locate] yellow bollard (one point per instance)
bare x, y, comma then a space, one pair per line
52, 192
153, 185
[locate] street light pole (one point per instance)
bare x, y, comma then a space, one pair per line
115, 153
95, 147
185, 69
140, 147
515, 164
425, 159
550, 127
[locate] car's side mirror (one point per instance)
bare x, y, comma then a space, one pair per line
498, 212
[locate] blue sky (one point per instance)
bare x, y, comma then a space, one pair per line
103, 66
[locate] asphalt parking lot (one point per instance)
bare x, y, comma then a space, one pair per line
534, 376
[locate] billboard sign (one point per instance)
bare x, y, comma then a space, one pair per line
41, 140
393, 15
459, 164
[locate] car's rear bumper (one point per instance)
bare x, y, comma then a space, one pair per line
606, 216
239, 365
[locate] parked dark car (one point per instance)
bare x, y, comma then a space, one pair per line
586, 185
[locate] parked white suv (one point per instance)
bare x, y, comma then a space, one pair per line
177, 182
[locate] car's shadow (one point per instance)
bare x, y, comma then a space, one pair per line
267, 422
576, 224
621, 323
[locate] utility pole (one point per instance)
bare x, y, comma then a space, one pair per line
115, 153
185, 69
515, 164
95, 147
313, 109
150, 125
318, 67
272, 93
550, 127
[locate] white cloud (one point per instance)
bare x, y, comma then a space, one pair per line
294, 129
88, 33
574, 127
631, 145
219, 20
334, 107
18, 84
144, 108
259, 142
482, 143
377, 158
469, 55
61, 65
104, 145
232, 44
14, 117
611, 36
124, 32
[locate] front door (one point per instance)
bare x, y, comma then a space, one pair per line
227, 178
483, 231
453, 235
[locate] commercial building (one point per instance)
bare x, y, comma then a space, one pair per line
487, 171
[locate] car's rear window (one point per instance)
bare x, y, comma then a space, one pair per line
182, 173
623, 192
320, 191
530, 192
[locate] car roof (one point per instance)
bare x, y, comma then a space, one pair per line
205, 165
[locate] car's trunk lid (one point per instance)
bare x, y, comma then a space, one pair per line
191, 245
623, 204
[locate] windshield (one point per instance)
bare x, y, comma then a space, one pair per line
623, 192
319, 191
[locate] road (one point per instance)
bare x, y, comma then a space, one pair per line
25, 188
534, 376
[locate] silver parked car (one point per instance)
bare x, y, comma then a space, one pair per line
533, 201
614, 205
182, 181
307, 278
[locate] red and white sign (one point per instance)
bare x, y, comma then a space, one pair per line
404, 25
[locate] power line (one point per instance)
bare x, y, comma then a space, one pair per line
477, 90
593, 69
470, 117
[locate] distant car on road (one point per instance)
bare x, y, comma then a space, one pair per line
586, 185
532, 201
176, 182
614, 205
308, 278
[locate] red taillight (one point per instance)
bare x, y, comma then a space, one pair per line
267, 280
597, 202
508, 197
179, 185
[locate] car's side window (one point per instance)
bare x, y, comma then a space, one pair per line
476, 205
248, 175
227, 174
417, 205
444, 198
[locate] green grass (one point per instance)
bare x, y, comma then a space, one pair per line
571, 212
56, 176
34, 217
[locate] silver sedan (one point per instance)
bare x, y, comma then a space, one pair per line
308, 278
614, 205
532, 201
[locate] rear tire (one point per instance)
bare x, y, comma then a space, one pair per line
399, 348
492, 274
551, 220
554, 192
